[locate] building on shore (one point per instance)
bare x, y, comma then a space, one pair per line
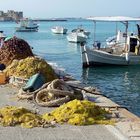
11, 15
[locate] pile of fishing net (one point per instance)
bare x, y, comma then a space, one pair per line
14, 48
25, 68
75, 112
12, 116
78, 112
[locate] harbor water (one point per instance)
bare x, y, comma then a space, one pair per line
120, 84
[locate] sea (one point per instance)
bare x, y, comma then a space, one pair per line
120, 84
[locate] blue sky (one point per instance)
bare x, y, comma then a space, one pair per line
72, 8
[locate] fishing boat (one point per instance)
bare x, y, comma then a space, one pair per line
77, 37
80, 30
27, 25
119, 54
119, 38
59, 30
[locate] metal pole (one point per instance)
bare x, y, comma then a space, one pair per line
116, 28
94, 37
126, 29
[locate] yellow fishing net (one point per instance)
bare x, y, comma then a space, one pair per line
75, 112
25, 68
11, 116
78, 112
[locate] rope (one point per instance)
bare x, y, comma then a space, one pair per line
88, 91
51, 94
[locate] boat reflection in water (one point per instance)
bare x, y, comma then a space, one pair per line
120, 84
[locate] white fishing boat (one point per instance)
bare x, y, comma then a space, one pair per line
27, 25
123, 53
117, 39
77, 37
81, 30
59, 30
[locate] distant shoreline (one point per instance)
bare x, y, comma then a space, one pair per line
49, 20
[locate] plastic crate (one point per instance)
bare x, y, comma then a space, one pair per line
35, 82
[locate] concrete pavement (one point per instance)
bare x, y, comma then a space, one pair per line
60, 132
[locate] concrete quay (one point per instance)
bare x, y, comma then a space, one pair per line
127, 123
127, 126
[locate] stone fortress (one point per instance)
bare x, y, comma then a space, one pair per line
11, 15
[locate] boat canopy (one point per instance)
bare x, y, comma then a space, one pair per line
113, 19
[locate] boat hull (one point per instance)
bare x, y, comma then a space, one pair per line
92, 57
76, 38
59, 30
20, 29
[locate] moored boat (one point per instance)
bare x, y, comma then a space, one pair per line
80, 30
59, 30
124, 53
27, 25
117, 39
77, 37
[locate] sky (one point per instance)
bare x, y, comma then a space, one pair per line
72, 8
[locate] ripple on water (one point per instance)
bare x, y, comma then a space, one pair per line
120, 84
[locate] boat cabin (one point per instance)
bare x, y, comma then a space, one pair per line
133, 43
